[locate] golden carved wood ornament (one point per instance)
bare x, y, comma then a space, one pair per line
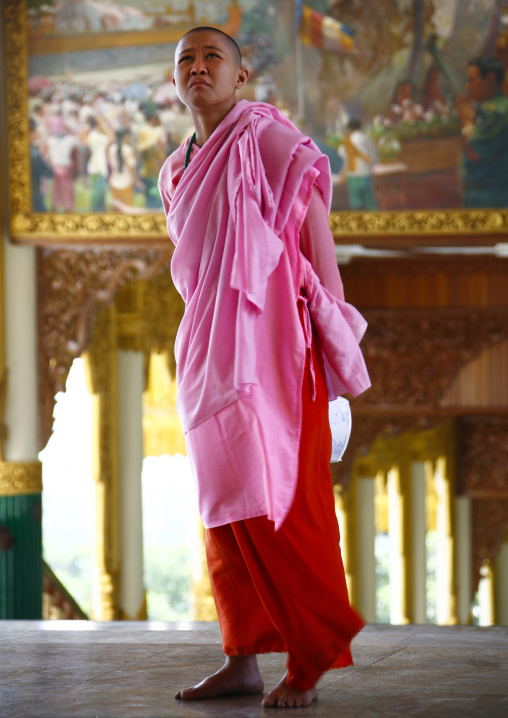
77, 229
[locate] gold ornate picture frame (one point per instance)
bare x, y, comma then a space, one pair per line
393, 226
46, 228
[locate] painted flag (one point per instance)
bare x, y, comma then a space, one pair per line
324, 32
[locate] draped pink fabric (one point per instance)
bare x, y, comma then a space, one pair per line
235, 216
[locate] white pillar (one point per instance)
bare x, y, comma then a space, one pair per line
395, 523
418, 529
130, 379
345, 510
486, 601
366, 538
21, 353
463, 558
445, 547
501, 586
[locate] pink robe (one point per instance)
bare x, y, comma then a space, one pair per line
235, 215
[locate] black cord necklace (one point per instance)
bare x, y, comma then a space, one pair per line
187, 154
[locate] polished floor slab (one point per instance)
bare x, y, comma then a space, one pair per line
74, 669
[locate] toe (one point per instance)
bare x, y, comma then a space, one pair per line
178, 695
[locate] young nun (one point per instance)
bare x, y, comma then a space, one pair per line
247, 200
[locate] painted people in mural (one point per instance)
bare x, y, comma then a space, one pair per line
485, 131
153, 151
397, 67
63, 158
359, 155
98, 136
122, 165
40, 169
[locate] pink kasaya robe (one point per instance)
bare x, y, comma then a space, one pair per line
235, 215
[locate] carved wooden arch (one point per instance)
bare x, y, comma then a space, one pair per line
483, 472
413, 357
72, 285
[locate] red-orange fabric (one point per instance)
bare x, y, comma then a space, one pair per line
285, 591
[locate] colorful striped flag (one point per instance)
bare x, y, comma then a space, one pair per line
324, 32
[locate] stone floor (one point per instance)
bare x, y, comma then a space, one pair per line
67, 669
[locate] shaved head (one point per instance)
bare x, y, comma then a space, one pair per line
233, 47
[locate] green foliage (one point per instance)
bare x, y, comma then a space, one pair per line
475, 610
431, 553
382, 578
167, 581
167, 577
72, 564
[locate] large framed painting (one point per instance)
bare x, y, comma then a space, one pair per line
417, 136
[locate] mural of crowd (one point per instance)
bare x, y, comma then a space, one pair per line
101, 149
460, 144
98, 137
419, 111
405, 121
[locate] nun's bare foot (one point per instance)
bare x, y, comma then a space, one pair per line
283, 696
239, 675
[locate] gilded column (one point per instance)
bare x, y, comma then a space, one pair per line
116, 378
366, 542
446, 603
202, 603
418, 569
102, 377
399, 511
345, 508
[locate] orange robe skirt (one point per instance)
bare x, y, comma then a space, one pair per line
285, 591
